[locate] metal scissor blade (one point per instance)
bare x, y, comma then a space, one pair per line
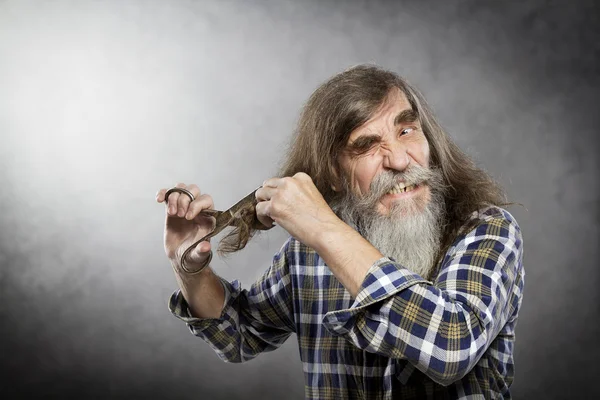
248, 199
225, 218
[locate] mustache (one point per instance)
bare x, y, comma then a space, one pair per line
386, 180
351, 206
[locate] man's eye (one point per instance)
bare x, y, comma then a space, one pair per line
364, 143
363, 146
406, 131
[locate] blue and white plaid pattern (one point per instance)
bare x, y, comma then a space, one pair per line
402, 337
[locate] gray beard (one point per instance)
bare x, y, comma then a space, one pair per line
411, 232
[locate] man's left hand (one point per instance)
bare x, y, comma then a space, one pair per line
297, 206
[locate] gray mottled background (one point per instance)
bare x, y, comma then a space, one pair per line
102, 103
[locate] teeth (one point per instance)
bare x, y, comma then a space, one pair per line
401, 188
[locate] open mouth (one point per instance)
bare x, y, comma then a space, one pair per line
401, 188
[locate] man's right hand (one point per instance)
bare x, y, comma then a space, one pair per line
184, 225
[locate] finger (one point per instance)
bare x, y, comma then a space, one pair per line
266, 221
184, 201
302, 176
160, 195
265, 193
202, 248
203, 202
171, 201
274, 182
194, 189
263, 213
200, 253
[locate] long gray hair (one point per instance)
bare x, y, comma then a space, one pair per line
347, 101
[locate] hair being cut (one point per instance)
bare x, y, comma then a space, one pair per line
347, 101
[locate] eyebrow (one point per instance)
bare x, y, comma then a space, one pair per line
404, 116
365, 139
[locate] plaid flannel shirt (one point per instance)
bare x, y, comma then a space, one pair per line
401, 337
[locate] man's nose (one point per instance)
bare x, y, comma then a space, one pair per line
396, 157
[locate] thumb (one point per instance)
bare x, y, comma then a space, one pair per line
200, 253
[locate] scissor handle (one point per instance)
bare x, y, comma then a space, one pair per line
191, 247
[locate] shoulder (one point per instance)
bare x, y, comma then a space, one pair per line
491, 248
494, 221
487, 226
493, 213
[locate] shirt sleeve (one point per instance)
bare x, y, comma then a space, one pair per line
442, 329
252, 321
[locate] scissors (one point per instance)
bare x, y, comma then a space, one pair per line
223, 220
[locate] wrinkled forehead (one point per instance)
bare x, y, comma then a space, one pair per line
393, 111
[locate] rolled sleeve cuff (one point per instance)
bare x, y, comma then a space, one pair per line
384, 279
180, 308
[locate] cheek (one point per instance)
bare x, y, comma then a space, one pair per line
420, 152
364, 174
426, 154
360, 173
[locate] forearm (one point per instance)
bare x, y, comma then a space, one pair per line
347, 254
252, 321
441, 328
393, 324
203, 292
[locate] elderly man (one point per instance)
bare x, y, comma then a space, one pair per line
402, 277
